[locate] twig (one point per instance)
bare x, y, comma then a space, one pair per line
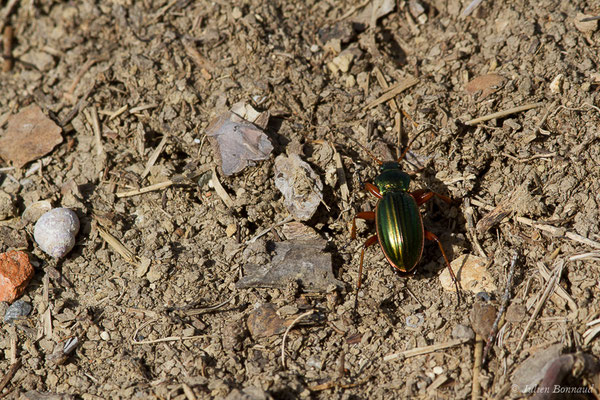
472, 6
205, 310
8, 9
558, 232
161, 340
592, 332
198, 59
81, 104
139, 109
393, 92
14, 367
559, 289
556, 273
123, 251
383, 83
267, 230
7, 42
154, 156
92, 118
69, 93
505, 300
538, 127
306, 314
339, 166
471, 227
417, 351
504, 113
477, 363
220, 190
151, 188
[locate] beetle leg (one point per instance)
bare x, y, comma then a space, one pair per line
432, 237
423, 196
369, 187
369, 242
368, 215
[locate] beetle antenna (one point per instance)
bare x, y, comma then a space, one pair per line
411, 142
377, 160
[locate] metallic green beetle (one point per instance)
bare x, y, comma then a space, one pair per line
398, 222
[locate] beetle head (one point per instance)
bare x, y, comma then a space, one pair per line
392, 178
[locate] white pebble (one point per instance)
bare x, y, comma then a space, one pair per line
105, 336
55, 231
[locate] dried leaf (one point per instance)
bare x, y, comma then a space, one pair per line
302, 261
237, 142
300, 186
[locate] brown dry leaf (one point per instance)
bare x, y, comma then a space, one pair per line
264, 322
485, 84
30, 135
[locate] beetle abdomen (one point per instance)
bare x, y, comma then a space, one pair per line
400, 230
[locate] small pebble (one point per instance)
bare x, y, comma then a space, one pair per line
105, 336
516, 313
438, 370
16, 310
461, 331
55, 231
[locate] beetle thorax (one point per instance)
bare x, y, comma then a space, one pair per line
392, 178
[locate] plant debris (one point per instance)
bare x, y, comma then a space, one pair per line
301, 261
237, 142
300, 186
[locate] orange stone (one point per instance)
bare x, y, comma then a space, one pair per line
15, 273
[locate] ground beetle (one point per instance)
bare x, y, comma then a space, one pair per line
398, 222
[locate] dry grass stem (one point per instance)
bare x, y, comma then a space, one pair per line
418, 351
556, 273
504, 113
294, 322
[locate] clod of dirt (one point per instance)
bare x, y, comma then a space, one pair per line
12, 238
300, 185
30, 135
8, 208
302, 261
484, 85
342, 32
249, 393
35, 395
516, 313
55, 231
461, 331
297, 230
471, 273
585, 26
532, 370
237, 142
483, 316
